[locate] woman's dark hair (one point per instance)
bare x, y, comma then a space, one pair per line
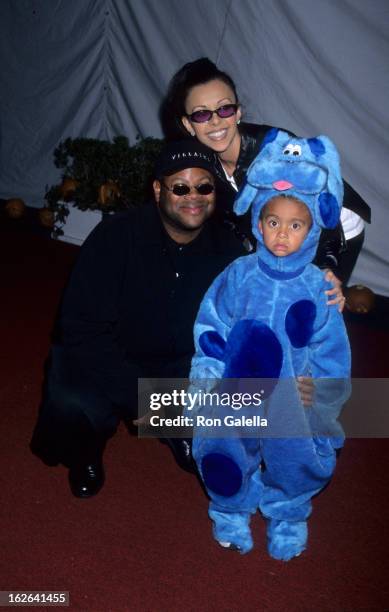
199, 72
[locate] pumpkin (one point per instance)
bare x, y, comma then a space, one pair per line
108, 192
46, 217
68, 187
15, 208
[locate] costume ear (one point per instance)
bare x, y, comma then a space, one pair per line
330, 201
329, 209
249, 191
269, 137
316, 145
244, 199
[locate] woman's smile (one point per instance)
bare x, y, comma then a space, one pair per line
217, 134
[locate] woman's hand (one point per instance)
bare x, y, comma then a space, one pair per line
336, 292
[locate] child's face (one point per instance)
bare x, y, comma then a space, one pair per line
284, 225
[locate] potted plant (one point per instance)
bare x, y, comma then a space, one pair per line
101, 177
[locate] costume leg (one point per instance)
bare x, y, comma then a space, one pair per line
230, 472
295, 470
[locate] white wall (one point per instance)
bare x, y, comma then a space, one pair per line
99, 68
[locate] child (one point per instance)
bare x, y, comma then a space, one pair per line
266, 317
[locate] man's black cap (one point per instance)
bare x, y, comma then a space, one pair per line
182, 154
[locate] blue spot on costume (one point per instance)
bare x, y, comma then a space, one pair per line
265, 317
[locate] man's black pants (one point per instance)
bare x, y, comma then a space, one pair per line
77, 416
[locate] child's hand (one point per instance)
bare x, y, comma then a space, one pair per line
336, 292
306, 389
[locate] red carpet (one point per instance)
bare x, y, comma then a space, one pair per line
144, 543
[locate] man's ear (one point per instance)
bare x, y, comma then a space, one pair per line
260, 226
157, 190
239, 113
187, 125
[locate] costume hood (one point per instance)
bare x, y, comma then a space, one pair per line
307, 169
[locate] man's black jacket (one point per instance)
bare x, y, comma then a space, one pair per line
134, 294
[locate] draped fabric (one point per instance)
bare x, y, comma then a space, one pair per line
99, 68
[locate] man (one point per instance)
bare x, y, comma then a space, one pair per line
128, 312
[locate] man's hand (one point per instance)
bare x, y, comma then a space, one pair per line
336, 292
143, 421
306, 388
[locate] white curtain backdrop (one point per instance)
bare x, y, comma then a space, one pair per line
99, 68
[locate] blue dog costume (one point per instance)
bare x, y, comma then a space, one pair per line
266, 317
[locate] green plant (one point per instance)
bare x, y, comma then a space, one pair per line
102, 175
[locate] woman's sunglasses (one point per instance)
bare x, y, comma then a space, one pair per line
203, 115
183, 190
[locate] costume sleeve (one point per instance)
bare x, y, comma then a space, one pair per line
212, 327
330, 363
329, 346
89, 311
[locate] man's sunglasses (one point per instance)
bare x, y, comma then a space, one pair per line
203, 115
183, 190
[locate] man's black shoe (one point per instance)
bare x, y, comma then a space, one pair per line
86, 480
182, 451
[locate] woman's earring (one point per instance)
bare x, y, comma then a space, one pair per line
238, 121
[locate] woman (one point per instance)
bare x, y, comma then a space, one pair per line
202, 101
